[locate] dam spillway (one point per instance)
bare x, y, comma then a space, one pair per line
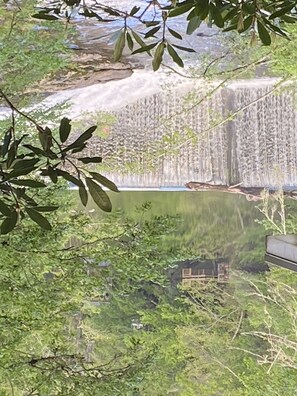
244, 132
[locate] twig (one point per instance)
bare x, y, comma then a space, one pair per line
232, 372
238, 326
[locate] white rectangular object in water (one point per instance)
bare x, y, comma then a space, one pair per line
282, 250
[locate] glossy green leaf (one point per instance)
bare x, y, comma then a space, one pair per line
9, 223
90, 160
146, 48
45, 16
193, 24
263, 34
67, 176
25, 163
134, 10
104, 181
46, 208
83, 194
216, 15
202, 8
81, 139
65, 129
28, 183
179, 10
6, 142
45, 138
158, 56
119, 46
4, 208
138, 39
282, 11
35, 150
152, 32
187, 49
99, 196
38, 218
174, 33
174, 55
52, 173
130, 41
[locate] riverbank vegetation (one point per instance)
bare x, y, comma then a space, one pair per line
30, 49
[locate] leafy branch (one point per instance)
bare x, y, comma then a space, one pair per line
24, 167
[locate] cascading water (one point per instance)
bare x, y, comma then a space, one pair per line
166, 140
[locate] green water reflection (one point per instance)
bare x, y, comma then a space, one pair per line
208, 225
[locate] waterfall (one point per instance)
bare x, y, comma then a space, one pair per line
170, 138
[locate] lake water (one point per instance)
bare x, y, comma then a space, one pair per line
209, 225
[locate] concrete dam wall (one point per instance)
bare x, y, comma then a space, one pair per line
243, 133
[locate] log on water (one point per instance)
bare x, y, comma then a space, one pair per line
251, 193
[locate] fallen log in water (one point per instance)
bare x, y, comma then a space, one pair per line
251, 193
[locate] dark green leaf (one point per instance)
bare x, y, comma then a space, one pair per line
247, 23
9, 223
152, 32
90, 160
65, 129
38, 218
182, 9
134, 10
202, 9
20, 172
183, 48
81, 139
25, 163
119, 46
174, 33
104, 181
282, 11
83, 195
45, 16
67, 176
30, 201
263, 34
231, 27
79, 148
151, 23
158, 56
138, 39
193, 24
231, 14
174, 55
45, 138
12, 152
6, 142
216, 15
52, 173
130, 41
289, 18
28, 183
4, 209
99, 196
46, 208
35, 150
146, 48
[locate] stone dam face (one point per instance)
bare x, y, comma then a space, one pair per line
243, 133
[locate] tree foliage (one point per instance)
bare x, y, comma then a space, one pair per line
24, 166
153, 31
